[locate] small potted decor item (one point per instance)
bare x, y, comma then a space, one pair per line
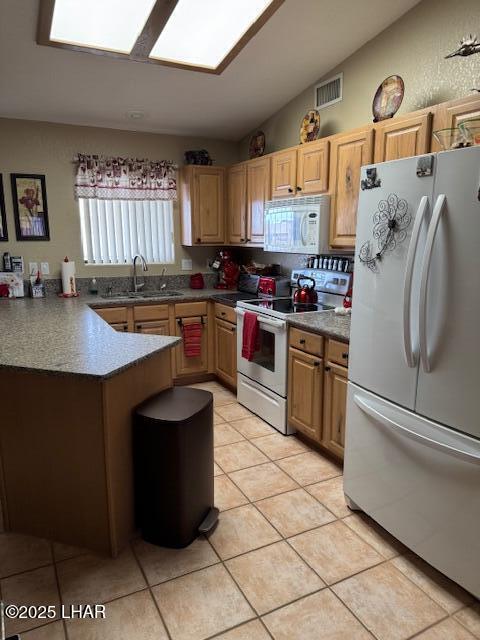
310, 127
453, 138
198, 157
37, 286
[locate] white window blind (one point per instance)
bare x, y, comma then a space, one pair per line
113, 231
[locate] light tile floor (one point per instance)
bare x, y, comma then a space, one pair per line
288, 561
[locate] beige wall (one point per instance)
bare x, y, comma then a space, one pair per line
413, 47
38, 147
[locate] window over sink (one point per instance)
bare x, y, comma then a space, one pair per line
113, 231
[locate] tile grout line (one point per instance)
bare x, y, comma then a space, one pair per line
149, 588
64, 624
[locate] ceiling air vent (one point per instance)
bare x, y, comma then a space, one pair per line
329, 92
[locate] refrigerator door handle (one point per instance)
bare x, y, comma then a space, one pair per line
410, 356
429, 244
409, 433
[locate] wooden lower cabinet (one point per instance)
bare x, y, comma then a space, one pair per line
190, 366
305, 392
156, 328
226, 351
119, 326
317, 389
335, 403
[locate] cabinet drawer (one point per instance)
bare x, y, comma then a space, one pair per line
120, 326
225, 313
305, 341
151, 312
113, 315
186, 309
337, 352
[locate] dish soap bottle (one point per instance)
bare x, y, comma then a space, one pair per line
93, 289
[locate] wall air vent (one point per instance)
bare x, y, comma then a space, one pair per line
329, 92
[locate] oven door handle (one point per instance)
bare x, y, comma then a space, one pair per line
269, 322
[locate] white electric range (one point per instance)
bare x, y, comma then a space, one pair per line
262, 381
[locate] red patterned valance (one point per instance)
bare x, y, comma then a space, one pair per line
124, 179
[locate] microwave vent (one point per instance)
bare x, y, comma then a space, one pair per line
329, 92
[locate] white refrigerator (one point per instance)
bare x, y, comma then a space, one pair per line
412, 450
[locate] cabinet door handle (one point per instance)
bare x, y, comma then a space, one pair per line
223, 313
233, 329
139, 326
345, 356
248, 240
302, 341
299, 188
199, 239
125, 327
316, 363
328, 368
290, 190
242, 239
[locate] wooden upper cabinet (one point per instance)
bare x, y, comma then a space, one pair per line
258, 192
237, 204
403, 137
284, 173
312, 167
202, 193
348, 153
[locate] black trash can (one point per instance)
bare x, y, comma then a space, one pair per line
173, 457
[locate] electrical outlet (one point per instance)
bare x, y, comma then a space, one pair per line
32, 268
187, 264
45, 268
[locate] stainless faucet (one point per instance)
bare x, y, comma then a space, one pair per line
164, 284
138, 285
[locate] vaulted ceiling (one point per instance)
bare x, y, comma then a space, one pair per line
298, 45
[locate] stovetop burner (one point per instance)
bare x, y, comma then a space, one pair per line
286, 305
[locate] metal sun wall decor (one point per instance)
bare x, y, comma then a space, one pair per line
390, 223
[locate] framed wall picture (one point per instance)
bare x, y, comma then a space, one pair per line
3, 216
30, 209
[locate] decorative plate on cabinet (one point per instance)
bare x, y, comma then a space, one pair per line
310, 127
388, 98
257, 145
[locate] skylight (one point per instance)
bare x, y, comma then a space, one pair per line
202, 33
112, 25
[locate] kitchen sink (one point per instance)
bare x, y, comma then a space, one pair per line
164, 293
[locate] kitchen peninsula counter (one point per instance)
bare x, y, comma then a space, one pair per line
70, 384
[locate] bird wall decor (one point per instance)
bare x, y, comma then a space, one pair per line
468, 46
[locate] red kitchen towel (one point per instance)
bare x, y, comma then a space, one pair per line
250, 336
192, 339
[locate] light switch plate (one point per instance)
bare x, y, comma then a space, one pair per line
187, 264
45, 268
32, 268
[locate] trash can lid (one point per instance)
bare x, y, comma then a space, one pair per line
175, 405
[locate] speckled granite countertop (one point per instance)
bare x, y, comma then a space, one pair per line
327, 323
59, 336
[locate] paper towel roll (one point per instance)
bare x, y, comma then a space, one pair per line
68, 278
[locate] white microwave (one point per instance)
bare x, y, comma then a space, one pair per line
297, 225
